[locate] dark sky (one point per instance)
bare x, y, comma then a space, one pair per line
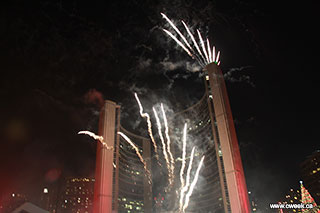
58, 59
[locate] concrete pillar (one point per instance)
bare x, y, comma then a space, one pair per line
236, 185
104, 168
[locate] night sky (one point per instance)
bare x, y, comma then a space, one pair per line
60, 59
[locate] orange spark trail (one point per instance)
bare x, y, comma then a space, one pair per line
195, 179
164, 150
177, 30
96, 137
185, 188
139, 155
183, 163
168, 141
194, 41
146, 115
179, 42
203, 47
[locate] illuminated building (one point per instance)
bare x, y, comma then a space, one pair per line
48, 199
222, 187
121, 184
77, 196
310, 172
120, 181
292, 197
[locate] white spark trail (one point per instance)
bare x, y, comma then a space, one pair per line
195, 179
185, 188
209, 50
146, 115
139, 155
96, 137
179, 42
203, 46
183, 163
194, 41
218, 55
164, 149
177, 30
213, 54
168, 141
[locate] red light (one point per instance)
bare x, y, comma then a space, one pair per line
155, 198
162, 198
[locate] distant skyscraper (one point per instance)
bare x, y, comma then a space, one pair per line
49, 198
310, 172
77, 195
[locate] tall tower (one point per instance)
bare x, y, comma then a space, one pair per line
120, 181
104, 159
223, 128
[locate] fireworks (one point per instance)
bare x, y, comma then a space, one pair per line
168, 143
186, 188
139, 155
146, 115
193, 184
205, 56
96, 137
164, 149
185, 183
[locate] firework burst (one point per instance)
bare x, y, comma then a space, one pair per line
204, 56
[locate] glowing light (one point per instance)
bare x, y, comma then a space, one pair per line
218, 55
178, 42
185, 188
168, 141
96, 137
183, 158
209, 51
213, 53
194, 41
139, 155
203, 60
203, 46
177, 30
45, 191
164, 149
195, 179
146, 115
